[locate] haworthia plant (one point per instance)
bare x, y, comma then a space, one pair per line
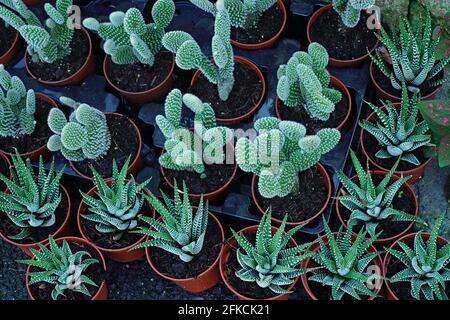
62, 267
128, 39
189, 55
186, 149
114, 208
47, 43
280, 151
84, 136
179, 231
31, 200
305, 82
17, 106
350, 10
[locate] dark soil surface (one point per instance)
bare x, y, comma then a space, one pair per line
303, 205
140, 77
300, 115
7, 36
171, 265
268, 26
65, 67
246, 93
37, 139
95, 272
8, 228
124, 142
4, 169
342, 43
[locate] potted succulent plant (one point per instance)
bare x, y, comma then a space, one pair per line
255, 24
418, 266
135, 65
306, 93
343, 265
183, 247
379, 202
33, 206
413, 61
110, 210
287, 174
58, 54
199, 156
396, 130
9, 38
234, 86
263, 262
93, 138
342, 27
66, 269
23, 118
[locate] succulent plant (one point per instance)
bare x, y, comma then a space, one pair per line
350, 10
128, 39
17, 106
304, 81
32, 200
280, 151
84, 136
115, 208
62, 267
179, 231
189, 55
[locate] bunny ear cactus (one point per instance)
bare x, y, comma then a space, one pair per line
399, 132
84, 136
280, 151
350, 10
189, 56
128, 39
304, 81
17, 106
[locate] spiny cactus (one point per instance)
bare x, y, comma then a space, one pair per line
186, 149
32, 200
115, 208
399, 132
271, 263
243, 13
189, 55
128, 39
280, 151
413, 54
426, 266
44, 44
369, 204
17, 106
350, 10
84, 136
304, 81
178, 232
62, 268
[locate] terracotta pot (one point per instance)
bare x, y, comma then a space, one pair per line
229, 250
315, 247
409, 237
135, 164
63, 230
5, 159
204, 281
346, 95
416, 173
102, 292
268, 43
382, 241
327, 181
154, 94
32, 3
41, 151
258, 72
76, 78
12, 51
387, 96
122, 254
335, 62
